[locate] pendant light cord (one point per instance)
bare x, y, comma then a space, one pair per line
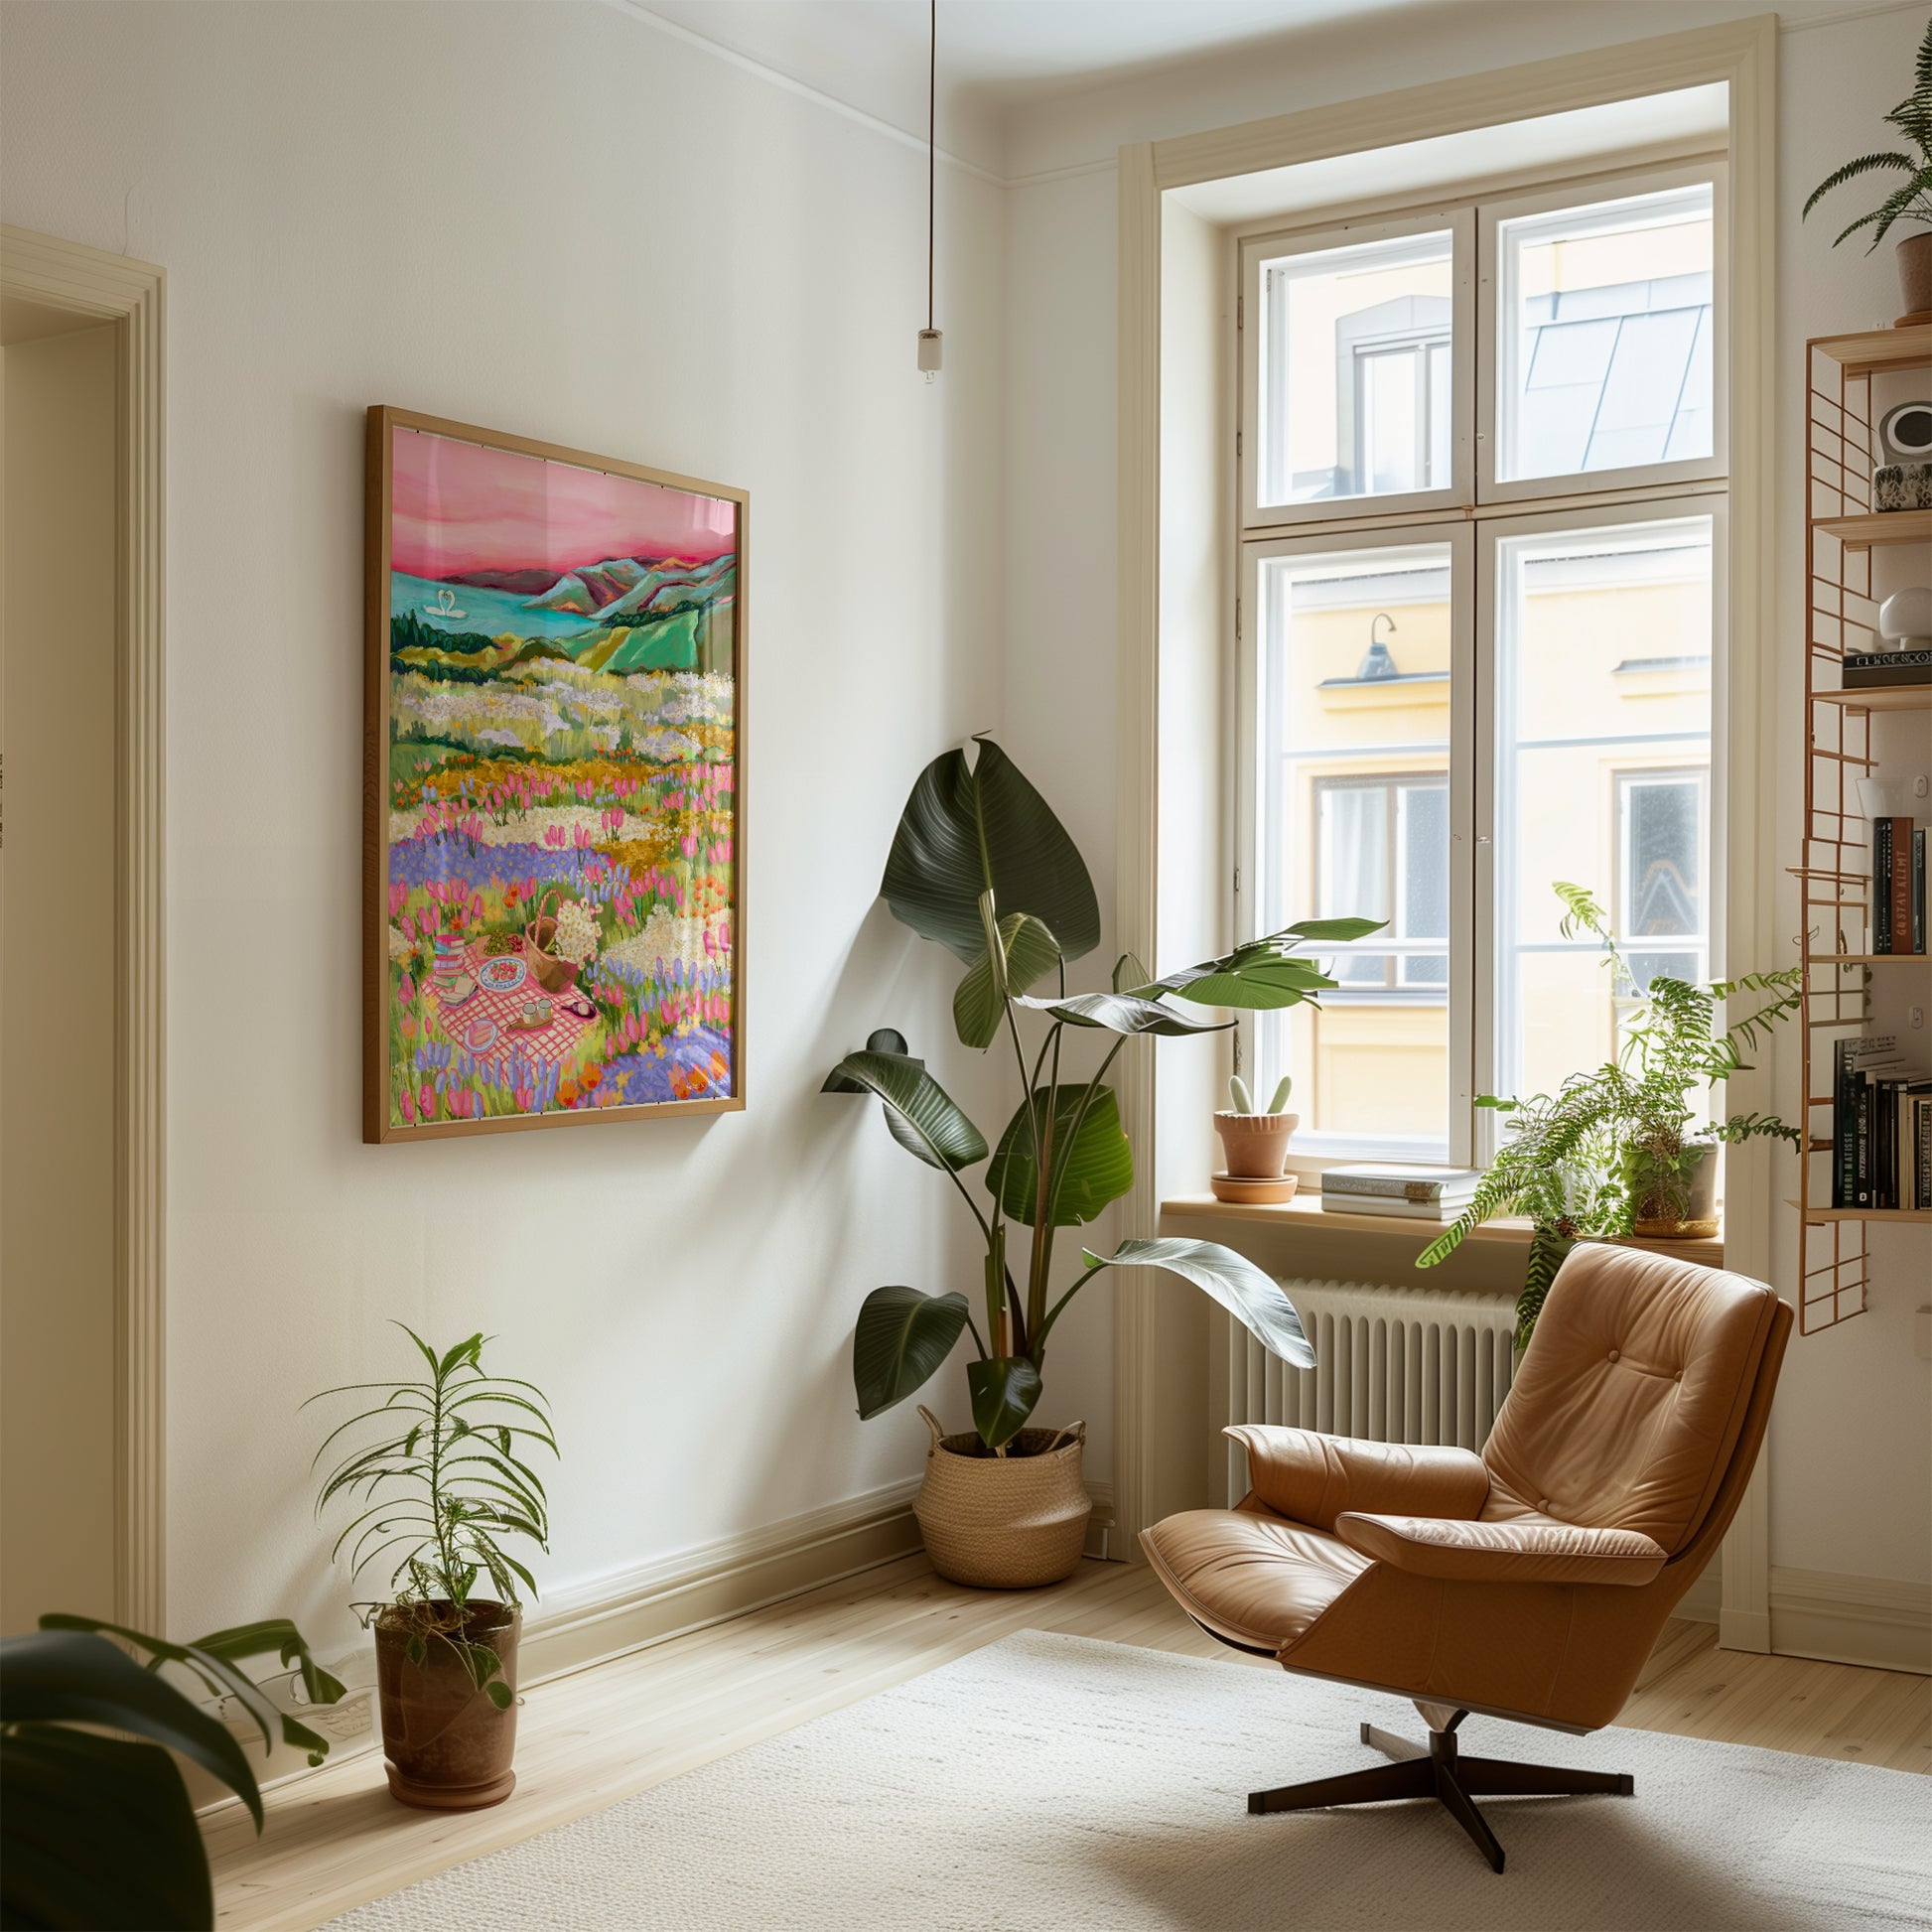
931, 148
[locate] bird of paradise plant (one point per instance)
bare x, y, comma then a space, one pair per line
980, 865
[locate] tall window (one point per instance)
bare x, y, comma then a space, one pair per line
1482, 494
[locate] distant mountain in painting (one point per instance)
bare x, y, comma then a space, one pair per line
562, 784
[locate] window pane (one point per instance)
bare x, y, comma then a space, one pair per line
1603, 349
1422, 905
1602, 759
1349, 402
1352, 807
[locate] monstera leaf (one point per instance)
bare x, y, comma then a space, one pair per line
1254, 1299
901, 1337
969, 829
1098, 1166
922, 1117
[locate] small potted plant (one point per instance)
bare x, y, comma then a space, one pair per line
1255, 1145
981, 865
1912, 199
1620, 1151
440, 1466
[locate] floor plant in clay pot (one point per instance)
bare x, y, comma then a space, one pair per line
440, 1466
980, 866
1624, 1148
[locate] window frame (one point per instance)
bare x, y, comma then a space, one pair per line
1456, 534
1482, 511
1491, 534
1492, 298
1276, 244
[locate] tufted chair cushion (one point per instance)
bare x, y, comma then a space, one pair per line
1628, 1405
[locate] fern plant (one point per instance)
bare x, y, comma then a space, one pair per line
1912, 199
1619, 1144
443, 1485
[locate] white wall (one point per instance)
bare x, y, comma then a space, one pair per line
558, 220
1852, 1434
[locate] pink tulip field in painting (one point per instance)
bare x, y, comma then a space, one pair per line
560, 767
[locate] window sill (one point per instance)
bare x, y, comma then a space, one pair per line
1306, 1216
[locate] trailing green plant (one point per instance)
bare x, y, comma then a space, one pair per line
1912, 199
443, 1485
98, 1830
1244, 1101
1619, 1142
980, 865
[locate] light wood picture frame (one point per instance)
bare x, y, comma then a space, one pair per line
553, 785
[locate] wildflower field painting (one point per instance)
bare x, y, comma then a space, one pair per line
553, 785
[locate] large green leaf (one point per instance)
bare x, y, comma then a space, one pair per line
1123, 1013
1253, 1298
1096, 1169
967, 830
901, 1337
97, 1833
1265, 973
883, 1039
72, 1677
922, 1116
1003, 1389
1028, 950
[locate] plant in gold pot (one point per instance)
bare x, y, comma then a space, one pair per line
440, 1466
980, 865
1910, 199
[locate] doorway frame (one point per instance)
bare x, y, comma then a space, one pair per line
95, 286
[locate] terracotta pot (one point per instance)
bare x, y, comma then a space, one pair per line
1915, 273
449, 1748
1256, 1145
1675, 1200
1005, 1522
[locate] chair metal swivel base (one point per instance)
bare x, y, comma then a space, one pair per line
1434, 1771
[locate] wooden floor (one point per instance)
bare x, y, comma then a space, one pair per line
335, 1839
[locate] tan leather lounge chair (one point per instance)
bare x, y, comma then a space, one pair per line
1529, 1581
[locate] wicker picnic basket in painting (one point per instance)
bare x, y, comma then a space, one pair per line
553, 974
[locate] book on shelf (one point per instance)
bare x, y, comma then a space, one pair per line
1897, 885
1872, 670
1881, 1126
1400, 1183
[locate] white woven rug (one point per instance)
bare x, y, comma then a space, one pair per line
1053, 1783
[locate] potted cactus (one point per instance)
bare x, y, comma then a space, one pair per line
1255, 1145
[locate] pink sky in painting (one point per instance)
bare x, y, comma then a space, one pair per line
457, 506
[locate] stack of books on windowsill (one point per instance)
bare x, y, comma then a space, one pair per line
1420, 1194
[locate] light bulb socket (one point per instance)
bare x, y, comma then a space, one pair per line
932, 341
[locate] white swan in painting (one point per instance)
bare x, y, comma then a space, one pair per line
445, 605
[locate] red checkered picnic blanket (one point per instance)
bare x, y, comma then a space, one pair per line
551, 1045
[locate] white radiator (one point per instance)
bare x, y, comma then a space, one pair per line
1393, 1364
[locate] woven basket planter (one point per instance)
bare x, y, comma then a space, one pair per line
1005, 1522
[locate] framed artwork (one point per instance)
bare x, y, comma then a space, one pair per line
553, 839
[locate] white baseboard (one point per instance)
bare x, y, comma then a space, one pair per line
1877, 1621
607, 1616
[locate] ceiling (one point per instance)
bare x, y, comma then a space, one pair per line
871, 54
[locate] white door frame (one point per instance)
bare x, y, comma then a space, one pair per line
1742, 54
91, 284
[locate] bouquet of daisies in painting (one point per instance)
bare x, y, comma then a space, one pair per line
553, 881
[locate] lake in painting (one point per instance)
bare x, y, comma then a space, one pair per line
561, 768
